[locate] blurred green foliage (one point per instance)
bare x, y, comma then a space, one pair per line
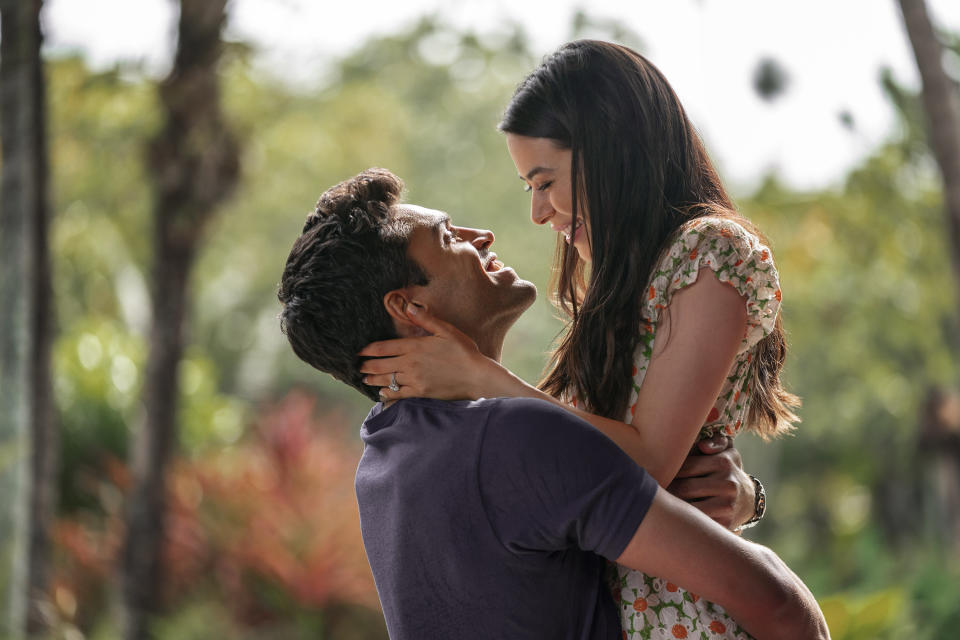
870, 303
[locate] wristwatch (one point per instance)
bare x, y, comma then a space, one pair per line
759, 505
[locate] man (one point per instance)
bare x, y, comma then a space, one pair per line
492, 518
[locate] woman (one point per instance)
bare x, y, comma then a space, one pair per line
671, 298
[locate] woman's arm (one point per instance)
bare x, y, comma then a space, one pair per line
696, 343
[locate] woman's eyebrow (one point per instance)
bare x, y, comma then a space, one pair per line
535, 171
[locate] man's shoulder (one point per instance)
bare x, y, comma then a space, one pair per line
524, 423
528, 408
516, 420
532, 410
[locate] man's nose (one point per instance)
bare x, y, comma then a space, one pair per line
482, 239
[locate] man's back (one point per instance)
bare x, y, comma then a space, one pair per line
485, 519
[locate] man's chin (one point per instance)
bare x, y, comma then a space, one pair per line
525, 295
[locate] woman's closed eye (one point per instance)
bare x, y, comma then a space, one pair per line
543, 187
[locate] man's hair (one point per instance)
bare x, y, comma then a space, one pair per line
351, 252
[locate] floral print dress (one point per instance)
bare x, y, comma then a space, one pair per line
651, 607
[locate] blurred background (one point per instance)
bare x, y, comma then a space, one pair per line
183, 160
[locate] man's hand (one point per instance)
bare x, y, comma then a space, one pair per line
712, 479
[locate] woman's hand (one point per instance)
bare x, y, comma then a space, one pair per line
446, 365
712, 479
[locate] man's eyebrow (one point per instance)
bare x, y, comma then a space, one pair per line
534, 172
441, 223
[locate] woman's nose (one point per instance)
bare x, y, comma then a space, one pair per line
540, 210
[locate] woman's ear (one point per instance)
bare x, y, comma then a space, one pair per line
396, 302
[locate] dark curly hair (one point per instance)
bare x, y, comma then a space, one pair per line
351, 252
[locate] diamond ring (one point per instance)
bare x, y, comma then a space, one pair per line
393, 382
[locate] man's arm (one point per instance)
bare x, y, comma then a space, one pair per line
679, 543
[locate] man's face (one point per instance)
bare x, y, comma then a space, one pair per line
469, 287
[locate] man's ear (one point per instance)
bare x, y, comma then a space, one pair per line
396, 302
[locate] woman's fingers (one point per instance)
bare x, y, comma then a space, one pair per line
386, 348
386, 394
380, 380
421, 317
376, 366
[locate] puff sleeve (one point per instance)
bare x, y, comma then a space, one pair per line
737, 256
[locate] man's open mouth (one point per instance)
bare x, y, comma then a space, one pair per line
491, 264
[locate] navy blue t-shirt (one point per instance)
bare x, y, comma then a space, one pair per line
491, 519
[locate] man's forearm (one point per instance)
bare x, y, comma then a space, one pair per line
679, 543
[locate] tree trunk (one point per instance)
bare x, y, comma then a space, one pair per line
941, 103
194, 166
27, 417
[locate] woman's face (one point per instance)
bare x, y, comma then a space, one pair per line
545, 168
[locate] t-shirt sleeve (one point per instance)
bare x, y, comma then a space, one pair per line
550, 481
738, 258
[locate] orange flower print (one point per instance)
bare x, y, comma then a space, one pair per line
764, 254
778, 295
623, 634
640, 604
718, 627
693, 254
679, 631
672, 588
616, 594
736, 396
634, 372
694, 597
652, 293
725, 233
714, 414
738, 263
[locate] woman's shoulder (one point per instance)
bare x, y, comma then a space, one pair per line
727, 246
727, 240
733, 229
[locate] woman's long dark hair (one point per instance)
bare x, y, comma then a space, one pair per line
640, 171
